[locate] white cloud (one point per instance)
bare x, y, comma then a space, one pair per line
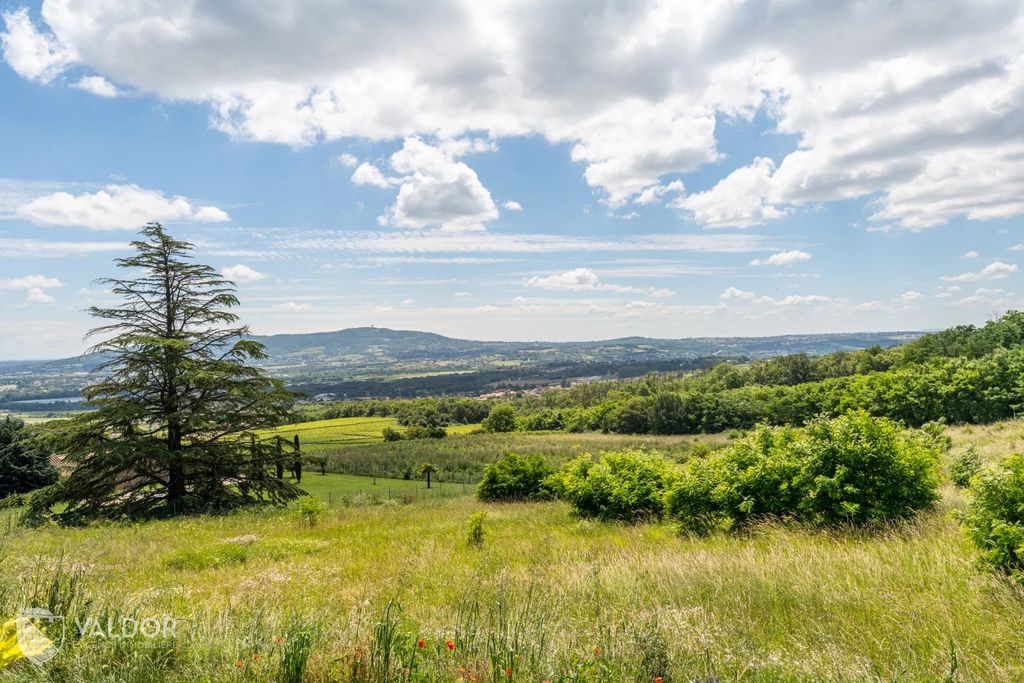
242, 273
736, 293
368, 174
783, 258
586, 280
97, 85
463, 295
408, 302
116, 207
437, 190
513, 205
993, 271
38, 296
31, 282
347, 160
292, 306
655, 193
578, 279
1017, 247
738, 200
32, 54
969, 255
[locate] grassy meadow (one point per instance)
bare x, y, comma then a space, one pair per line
545, 597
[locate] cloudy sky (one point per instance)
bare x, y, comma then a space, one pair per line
520, 170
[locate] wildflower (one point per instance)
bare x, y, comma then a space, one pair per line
658, 679
421, 644
597, 652
462, 669
239, 665
279, 640
508, 671
256, 658
451, 645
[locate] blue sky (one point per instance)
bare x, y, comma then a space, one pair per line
517, 170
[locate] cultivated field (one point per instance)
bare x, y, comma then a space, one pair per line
330, 436
546, 597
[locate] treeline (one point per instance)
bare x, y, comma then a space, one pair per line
963, 374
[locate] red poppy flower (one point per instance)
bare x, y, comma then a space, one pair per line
239, 665
421, 644
508, 670
597, 651
659, 679
256, 658
451, 646
279, 640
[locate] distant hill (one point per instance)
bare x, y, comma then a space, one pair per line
377, 344
379, 361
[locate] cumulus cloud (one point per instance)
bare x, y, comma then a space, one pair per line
116, 207
513, 205
97, 85
348, 160
38, 296
586, 280
919, 110
969, 255
783, 258
242, 273
993, 271
435, 189
31, 282
735, 293
33, 54
368, 174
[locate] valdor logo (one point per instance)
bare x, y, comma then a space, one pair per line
40, 634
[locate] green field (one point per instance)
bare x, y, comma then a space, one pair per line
542, 597
339, 489
330, 436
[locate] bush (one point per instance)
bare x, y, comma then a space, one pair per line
994, 519
964, 466
502, 418
851, 469
475, 529
514, 477
311, 509
627, 485
391, 434
420, 432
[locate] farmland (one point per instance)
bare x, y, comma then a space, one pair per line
330, 436
548, 595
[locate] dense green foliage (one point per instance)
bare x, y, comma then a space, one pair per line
963, 466
515, 477
852, 469
24, 466
623, 486
501, 418
994, 520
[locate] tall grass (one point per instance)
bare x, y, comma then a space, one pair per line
546, 597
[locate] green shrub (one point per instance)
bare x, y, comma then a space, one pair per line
514, 477
964, 466
857, 468
627, 485
994, 519
421, 432
391, 434
752, 478
502, 418
851, 469
311, 509
476, 531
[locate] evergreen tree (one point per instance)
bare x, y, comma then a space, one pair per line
176, 414
23, 465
